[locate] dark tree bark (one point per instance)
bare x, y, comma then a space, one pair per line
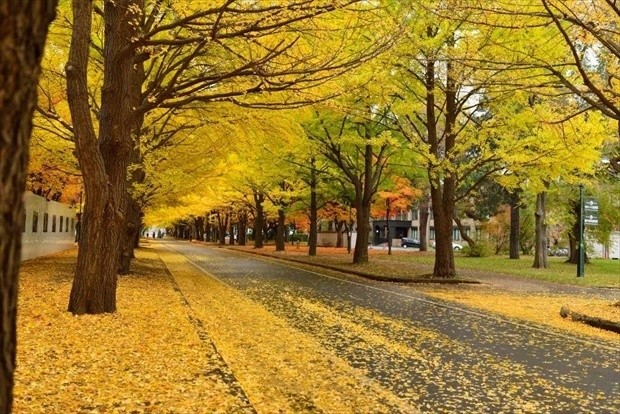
540, 250
103, 161
314, 215
443, 190
471, 242
231, 230
339, 227
222, 226
133, 224
259, 219
365, 189
280, 231
200, 228
515, 224
22, 40
573, 237
243, 228
424, 216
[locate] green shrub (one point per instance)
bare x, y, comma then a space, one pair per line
480, 249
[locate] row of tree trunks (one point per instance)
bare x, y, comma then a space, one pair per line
22, 39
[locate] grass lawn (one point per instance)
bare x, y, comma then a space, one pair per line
409, 263
599, 272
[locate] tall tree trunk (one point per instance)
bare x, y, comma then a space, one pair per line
338, 226
423, 230
313, 235
259, 220
443, 190
24, 29
540, 250
280, 230
573, 235
231, 231
360, 252
364, 192
515, 224
132, 227
104, 161
242, 238
200, 228
222, 226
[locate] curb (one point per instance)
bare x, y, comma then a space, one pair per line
363, 274
600, 323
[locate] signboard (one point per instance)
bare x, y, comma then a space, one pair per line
590, 211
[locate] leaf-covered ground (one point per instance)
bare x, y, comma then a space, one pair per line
146, 358
185, 343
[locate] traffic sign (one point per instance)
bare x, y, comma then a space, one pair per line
590, 204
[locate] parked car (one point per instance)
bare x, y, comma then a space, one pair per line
407, 242
455, 246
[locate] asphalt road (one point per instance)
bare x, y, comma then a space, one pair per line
439, 356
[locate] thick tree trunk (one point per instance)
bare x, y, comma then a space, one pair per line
313, 233
243, 228
222, 222
339, 227
24, 29
259, 220
200, 228
103, 162
280, 231
443, 191
231, 231
360, 253
444, 254
540, 250
132, 227
573, 235
515, 224
423, 230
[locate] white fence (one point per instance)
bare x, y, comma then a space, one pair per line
49, 227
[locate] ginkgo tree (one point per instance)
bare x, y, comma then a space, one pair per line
174, 55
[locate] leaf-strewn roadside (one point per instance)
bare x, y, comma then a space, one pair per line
145, 358
515, 297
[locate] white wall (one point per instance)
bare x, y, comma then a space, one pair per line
607, 252
38, 243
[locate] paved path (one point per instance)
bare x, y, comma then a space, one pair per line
434, 355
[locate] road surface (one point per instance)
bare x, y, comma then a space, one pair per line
434, 355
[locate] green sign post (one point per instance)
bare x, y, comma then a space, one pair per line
588, 217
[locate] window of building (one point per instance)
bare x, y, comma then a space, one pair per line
60, 222
72, 224
67, 224
456, 234
467, 231
35, 221
415, 233
432, 233
46, 220
54, 223
414, 214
